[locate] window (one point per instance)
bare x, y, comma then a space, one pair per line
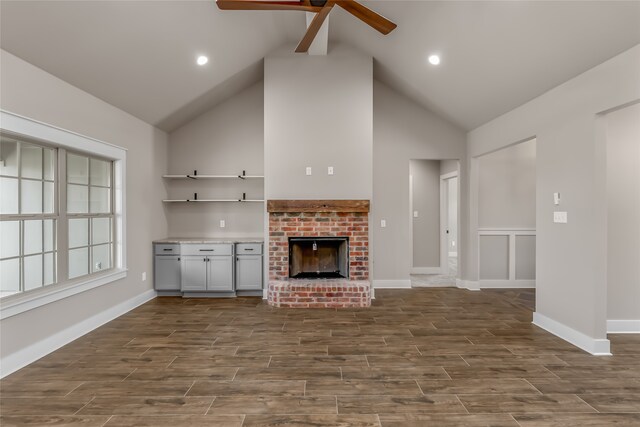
89, 214
28, 218
62, 214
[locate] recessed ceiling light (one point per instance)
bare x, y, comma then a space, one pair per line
434, 59
202, 60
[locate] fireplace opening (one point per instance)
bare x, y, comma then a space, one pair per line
318, 257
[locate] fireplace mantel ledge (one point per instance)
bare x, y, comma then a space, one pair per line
275, 206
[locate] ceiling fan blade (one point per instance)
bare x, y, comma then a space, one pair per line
314, 27
368, 16
266, 5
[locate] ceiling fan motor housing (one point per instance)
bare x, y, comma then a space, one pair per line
318, 3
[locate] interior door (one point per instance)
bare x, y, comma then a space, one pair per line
451, 200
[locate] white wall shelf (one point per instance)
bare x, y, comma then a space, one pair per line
195, 175
211, 200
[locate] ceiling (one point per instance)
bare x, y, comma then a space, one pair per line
140, 55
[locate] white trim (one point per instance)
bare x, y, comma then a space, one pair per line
449, 175
391, 284
35, 351
469, 285
33, 129
29, 301
506, 284
597, 347
623, 326
453, 254
426, 270
61, 137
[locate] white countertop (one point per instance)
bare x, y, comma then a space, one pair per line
205, 240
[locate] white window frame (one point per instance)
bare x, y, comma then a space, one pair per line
51, 135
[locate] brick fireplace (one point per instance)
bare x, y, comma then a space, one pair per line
330, 221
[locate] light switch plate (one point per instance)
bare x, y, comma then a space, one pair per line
330, 170
223, 223
383, 223
556, 198
560, 217
308, 170
415, 214
144, 276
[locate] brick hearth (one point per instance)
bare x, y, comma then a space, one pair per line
320, 218
333, 293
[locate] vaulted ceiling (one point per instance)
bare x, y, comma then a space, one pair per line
140, 55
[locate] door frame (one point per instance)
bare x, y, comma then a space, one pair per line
444, 215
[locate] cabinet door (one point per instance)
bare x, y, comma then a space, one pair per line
167, 273
194, 273
220, 276
249, 272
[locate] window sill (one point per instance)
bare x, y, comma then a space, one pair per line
25, 302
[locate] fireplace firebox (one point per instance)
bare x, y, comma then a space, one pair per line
319, 257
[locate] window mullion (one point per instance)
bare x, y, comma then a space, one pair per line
63, 225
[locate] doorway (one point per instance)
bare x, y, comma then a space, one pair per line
434, 218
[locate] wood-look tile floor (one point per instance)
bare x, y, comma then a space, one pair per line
419, 357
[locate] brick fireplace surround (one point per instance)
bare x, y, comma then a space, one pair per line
318, 218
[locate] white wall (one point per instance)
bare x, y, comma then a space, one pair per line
426, 202
623, 214
571, 153
31, 92
318, 112
507, 187
402, 130
224, 141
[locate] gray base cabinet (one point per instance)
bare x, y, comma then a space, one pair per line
249, 272
167, 273
220, 273
194, 273
208, 269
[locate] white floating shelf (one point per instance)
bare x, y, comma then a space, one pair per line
213, 176
209, 200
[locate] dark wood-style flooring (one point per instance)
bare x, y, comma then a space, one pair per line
422, 357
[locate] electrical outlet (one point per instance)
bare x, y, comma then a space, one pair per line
98, 266
223, 224
330, 170
308, 170
560, 217
383, 223
144, 276
415, 214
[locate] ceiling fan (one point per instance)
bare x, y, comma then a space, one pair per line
320, 7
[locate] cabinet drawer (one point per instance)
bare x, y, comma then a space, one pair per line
167, 249
211, 249
249, 248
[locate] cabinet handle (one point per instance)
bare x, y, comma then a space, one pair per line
178, 258
167, 250
207, 250
204, 260
248, 249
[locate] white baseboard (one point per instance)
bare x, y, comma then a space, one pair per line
392, 284
597, 347
503, 284
426, 270
468, 284
623, 326
35, 351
